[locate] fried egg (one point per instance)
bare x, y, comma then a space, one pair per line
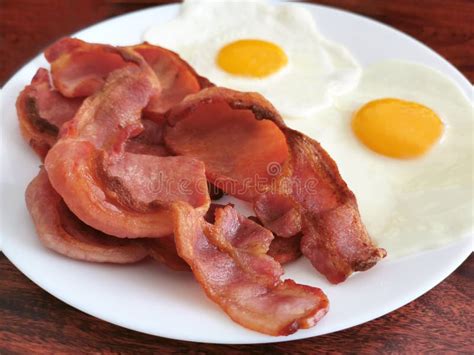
275, 50
413, 182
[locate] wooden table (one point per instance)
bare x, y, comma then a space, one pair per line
33, 321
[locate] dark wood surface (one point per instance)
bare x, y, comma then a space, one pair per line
33, 321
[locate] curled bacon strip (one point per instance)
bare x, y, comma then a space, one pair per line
304, 194
334, 237
177, 78
42, 111
114, 192
80, 69
285, 250
164, 249
228, 131
228, 259
278, 213
59, 230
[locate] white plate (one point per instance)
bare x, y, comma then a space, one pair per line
149, 298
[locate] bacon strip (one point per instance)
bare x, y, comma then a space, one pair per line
229, 261
247, 242
107, 189
59, 230
227, 131
177, 78
283, 250
164, 251
42, 111
278, 213
80, 69
334, 237
149, 142
304, 193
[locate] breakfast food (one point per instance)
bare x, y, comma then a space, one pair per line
60, 230
307, 195
134, 140
229, 260
116, 192
110, 190
78, 70
397, 128
285, 250
234, 134
275, 50
41, 112
107, 175
408, 203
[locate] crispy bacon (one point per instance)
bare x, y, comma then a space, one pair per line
109, 173
228, 260
150, 141
42, 111
59, 230
177, 78
334, 237
247, 242
284, 250
279, 213
121, 194
139, 180
227, 131
62, 47
80, 69
240, 136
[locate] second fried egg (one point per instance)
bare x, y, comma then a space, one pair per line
412, 169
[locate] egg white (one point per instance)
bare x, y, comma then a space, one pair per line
407, 205
317, 69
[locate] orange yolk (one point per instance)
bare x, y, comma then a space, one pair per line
397, 128
251, 57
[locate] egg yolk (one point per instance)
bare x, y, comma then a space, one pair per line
397, 128
251, 57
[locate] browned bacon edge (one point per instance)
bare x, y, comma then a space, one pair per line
80, 164
334, 238
60, 230
260, 107
283, 249
179, 78
240, 163
228, 260
40, 108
